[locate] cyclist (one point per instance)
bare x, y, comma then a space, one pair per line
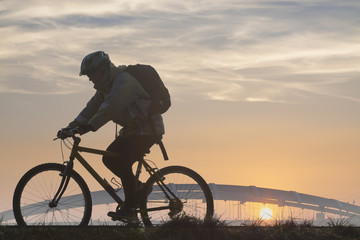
119, 97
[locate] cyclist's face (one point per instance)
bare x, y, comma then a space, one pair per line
96, 75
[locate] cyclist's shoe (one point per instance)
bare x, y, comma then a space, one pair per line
125, 214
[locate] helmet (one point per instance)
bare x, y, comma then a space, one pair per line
92, 61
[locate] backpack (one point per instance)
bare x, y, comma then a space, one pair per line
150, 80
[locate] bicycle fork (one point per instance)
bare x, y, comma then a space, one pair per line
64, 183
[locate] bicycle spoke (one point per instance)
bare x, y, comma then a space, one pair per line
181, 192
34, 194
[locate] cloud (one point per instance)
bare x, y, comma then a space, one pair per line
281, 51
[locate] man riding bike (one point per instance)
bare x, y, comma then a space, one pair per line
120, 98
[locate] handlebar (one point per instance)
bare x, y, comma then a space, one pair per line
66, 133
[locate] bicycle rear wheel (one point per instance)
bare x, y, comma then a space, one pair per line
180, 192
36, 190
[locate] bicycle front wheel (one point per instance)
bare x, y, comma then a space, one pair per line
175, 192
32, 201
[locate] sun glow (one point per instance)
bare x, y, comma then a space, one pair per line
266, 213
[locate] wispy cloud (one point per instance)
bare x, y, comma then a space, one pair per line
279, 51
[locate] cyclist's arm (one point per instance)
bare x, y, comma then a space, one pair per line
91, 108
116, 105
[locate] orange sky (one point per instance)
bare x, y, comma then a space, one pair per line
306, 153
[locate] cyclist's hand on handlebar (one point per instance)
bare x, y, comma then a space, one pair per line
67, 132
64, 133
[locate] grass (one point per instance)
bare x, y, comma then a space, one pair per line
189, 228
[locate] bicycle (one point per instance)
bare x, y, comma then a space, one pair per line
55, 194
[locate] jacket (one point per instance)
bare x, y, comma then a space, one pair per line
126, 103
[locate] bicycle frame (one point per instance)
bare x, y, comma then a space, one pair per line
107, 187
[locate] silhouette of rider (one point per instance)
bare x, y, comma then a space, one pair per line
120, 98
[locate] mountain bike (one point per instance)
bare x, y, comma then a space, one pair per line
55, 194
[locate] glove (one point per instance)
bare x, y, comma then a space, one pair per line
62, 133
84, 128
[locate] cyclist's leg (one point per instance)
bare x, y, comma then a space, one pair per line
131, 149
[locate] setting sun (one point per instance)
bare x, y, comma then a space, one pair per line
266, 213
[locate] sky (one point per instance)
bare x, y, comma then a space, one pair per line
264, 93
